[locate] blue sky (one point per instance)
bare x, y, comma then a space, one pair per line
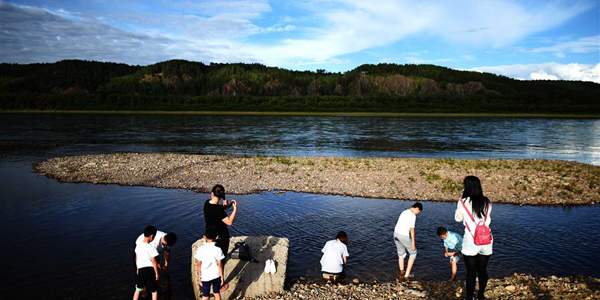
521, 39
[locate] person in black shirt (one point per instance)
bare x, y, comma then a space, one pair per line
216, 217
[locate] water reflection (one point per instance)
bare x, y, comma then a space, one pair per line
568, 139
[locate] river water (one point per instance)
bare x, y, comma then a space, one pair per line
73, 241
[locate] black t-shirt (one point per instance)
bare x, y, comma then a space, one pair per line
213, 216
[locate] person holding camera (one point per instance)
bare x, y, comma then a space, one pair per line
216, 217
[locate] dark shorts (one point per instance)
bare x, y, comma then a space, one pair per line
216, 286
146, 279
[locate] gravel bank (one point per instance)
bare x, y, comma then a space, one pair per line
517, 286
516, 181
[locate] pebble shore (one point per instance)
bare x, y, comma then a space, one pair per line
518, 286
515, 181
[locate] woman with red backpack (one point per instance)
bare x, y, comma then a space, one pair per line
473, 210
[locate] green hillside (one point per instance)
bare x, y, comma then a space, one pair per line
185, 85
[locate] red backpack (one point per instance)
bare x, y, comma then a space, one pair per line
483, 234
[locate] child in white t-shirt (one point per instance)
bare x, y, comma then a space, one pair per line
335, 258
145, 261
210, 269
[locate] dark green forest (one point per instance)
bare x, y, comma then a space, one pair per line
179, 85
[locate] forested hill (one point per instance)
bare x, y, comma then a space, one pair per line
185, 85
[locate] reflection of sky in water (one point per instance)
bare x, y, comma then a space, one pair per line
568, 139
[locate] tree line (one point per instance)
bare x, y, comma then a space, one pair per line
185, 85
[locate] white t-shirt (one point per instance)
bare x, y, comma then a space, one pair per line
333, 256
406, 221
156, 242
209, 255
462, 215
144, 253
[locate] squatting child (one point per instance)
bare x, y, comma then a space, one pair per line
453, 246
210, 268
335, 258
145, 261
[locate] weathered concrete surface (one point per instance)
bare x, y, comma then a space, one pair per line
246, 278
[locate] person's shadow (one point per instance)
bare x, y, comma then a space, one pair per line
248, 273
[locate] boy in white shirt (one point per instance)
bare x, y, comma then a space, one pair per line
163, 243
335, 258
145, 260
210, 268
404, 238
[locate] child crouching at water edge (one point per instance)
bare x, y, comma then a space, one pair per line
145, 261
335, 258
209, 266
453, 246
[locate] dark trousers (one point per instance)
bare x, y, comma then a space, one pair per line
223, 243
476, 268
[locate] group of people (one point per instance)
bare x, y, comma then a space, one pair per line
148, 247
475, 246
210, 256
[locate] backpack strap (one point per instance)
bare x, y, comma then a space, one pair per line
470, 215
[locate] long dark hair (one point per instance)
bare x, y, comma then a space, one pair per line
474, 192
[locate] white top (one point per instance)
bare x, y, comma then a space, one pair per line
156, 242
144, 253
406, 221
209, 255
333, 256
461, 215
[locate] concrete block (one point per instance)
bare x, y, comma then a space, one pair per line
246, 278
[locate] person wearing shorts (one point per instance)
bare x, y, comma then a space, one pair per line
209, 265
452, 245
147, 269
404, 238
472, 209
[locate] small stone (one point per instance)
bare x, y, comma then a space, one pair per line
355, 281
511, 288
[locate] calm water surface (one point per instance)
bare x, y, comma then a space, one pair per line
74, 241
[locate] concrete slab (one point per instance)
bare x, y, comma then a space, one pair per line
246, 278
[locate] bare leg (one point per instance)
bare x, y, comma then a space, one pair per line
136, 295
205, 298
411, 262
401, 264
155, 296
454, 269
217, 296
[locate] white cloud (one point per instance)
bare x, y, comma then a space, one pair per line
350, 26
547, 71
582, 45
228, 30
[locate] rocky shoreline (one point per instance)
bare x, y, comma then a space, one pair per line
514, 181
518, 286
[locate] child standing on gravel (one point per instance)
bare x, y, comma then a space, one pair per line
209, 265
404, 238
453, 246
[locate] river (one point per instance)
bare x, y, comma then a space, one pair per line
73, 241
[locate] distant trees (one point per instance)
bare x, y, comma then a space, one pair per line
185, 85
